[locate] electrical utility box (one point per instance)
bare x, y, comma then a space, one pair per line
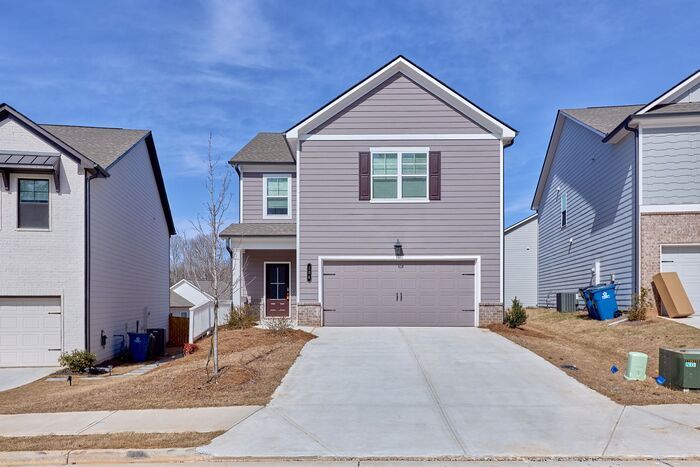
680, 367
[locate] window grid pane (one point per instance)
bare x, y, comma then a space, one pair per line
413, 187
385, 187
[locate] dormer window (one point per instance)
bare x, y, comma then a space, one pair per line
277, 193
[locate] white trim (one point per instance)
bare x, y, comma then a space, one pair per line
501, 234
672, 93
288, 176
400, 137
670, 208
399, 174
252, 167
264, 299
298, 225
400, 64
236, 276
240, 198
194, 286
475, 258
666, 121
638, 210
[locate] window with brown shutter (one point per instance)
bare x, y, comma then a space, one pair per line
434, 175
365, 176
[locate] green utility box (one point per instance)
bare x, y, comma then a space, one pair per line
636, 366
681, 367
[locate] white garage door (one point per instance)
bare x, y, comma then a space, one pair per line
685, 260
30, 331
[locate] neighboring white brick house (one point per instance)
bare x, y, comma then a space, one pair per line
46, 238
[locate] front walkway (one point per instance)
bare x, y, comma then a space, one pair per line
429, 392
115, 421
692, 320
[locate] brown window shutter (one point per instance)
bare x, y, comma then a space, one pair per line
365, 176
434, 183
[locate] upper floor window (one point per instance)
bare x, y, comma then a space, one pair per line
277, 194
33, 206
562, 198
399, 174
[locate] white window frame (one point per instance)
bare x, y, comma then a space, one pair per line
563, 212
399, 175
265, 215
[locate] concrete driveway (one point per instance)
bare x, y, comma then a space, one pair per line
428, 392
16, 377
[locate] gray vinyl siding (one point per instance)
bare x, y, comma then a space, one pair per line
691, 95
520, 264
253, 273
671, 166
253, 197
398, 106
129, 252
598, 179
465, 222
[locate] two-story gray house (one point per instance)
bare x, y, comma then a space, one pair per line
382, 208
85, 230
619, 196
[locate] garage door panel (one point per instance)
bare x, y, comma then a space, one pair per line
30, 331
684, 260
430, 294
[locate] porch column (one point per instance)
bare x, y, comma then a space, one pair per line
236, 280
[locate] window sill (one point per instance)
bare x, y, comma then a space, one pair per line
398, 201
278, 217
27, 229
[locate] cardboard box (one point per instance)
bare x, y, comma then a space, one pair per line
669, 290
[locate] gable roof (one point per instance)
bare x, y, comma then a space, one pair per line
602, 119
178, 301
265, 148
519, 224
102, 145
402, 65
612, 123
97, 148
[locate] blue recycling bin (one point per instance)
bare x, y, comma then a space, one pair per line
601, 301
138, 346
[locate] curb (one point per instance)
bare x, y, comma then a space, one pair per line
101, 456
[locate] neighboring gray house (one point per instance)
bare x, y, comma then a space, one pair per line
84, 239
619, 196
384, 207
520, 259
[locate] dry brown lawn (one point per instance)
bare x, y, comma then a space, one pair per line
593, 347
253, 363
111, 441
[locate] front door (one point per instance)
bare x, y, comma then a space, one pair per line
277, 290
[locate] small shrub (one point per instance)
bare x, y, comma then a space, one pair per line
77, 361
516, 316
640, 305
242, 317
188, 349
279, 325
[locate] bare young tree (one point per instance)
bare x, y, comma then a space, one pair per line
210, 245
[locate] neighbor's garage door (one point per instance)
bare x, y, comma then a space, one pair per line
30, 331
685, 260
398, 294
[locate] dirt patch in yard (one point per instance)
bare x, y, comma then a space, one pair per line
593, 347
111, 441
253, 363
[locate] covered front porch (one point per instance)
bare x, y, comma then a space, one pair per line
263, 262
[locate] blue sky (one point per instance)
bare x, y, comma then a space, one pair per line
185, 68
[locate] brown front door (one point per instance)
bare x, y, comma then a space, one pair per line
277, 290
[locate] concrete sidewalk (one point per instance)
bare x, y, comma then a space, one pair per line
11, 378
203, 419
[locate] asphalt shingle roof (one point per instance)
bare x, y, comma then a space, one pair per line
676, 107
603, 119
259, 230
266, 148
101, 145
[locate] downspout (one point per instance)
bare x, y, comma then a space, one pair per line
637, 217
87, 258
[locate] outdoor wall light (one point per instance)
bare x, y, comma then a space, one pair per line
308, 272
398, 248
